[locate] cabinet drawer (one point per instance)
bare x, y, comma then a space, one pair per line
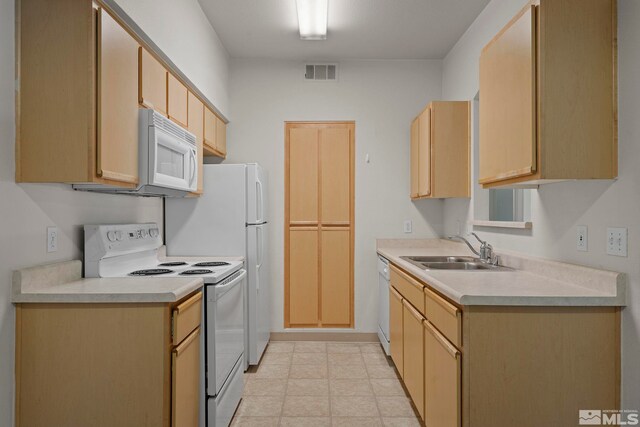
186, 317
444, 316
409, 288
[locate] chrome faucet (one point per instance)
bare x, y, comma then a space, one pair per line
486, 250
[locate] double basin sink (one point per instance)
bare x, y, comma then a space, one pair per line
451, 263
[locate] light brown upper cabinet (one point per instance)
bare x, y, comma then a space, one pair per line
440, 151
215, 134
209, 131
548, 96
319, 224
77, 118
177, 100
117, 142
152, 83
221, 137
195, 123
82, 79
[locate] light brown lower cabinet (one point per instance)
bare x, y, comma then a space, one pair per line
185, 380
502, 366
413, 350
108, 365
395, 330
442, 363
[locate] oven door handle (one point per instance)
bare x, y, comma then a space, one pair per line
231, 280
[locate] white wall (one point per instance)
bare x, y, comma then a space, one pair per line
557, 209
27, 209
181, 29
382, 97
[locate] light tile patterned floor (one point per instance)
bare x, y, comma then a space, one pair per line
324, 384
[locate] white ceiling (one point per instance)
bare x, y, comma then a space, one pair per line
358, 29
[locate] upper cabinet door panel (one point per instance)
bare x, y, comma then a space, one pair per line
221, 136
415, 156
335, 157
195, 124
424, 153
450, 149
303, 175
507, 101
177, 100
117, 149
209, 128
153, 83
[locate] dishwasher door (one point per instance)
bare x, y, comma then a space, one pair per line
383, 303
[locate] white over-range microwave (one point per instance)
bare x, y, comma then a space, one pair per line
167, 159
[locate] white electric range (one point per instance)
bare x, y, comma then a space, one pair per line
133, 250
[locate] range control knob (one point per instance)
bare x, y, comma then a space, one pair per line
111, 235
119, 235
154, 232
144, 232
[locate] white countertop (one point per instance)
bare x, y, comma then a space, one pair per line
63, 283
533, 281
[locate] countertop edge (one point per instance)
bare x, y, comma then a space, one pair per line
618, 300
49, 283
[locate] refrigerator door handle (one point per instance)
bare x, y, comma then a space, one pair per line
259, 242
259, 213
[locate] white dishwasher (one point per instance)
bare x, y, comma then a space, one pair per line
383, 305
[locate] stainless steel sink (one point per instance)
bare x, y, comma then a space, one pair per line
441, 258
457, 266
452, 263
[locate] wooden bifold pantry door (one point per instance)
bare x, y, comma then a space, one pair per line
319, 224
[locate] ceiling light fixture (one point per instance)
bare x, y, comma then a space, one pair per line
312, 19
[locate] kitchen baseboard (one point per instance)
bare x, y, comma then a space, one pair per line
324, 336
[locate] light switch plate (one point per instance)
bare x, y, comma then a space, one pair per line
617, 241
408, 226
52, 239
582, 238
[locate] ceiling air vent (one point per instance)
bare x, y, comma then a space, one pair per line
321, 72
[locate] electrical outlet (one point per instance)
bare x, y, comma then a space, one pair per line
617, 241
408, 226
582, 237
52, 239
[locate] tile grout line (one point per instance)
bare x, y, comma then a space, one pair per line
375, 397
286, 386
326, 349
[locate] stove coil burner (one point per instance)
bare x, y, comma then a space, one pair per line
211, 264
194, 272
172, 264
151, 272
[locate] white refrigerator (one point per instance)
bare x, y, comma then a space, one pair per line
229, 219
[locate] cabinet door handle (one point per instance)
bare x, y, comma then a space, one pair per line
412, 310
451, 349
395, 293
452, 309
187, 341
